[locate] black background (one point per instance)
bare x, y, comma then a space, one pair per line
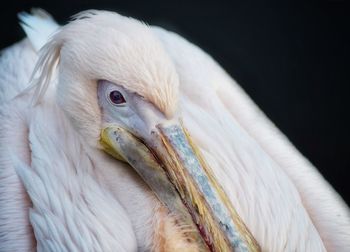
292, 59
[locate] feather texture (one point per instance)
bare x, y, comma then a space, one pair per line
38, 26
56, 184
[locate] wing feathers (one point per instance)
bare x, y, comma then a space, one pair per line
39, 26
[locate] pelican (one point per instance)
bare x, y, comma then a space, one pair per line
119, 136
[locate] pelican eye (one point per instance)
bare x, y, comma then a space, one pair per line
116, 97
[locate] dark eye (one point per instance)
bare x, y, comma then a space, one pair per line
116, 97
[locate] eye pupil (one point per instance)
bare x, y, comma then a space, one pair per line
116, 97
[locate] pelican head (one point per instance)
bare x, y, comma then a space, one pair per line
121, 92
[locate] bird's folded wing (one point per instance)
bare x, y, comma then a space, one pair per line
327, 210
31, 159
38, 26
17, 61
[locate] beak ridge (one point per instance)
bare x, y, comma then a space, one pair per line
178, 175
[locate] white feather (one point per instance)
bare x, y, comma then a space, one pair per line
82, 200
38, 26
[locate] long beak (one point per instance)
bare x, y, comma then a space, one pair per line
179, 176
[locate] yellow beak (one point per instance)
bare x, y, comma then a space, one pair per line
174, 169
